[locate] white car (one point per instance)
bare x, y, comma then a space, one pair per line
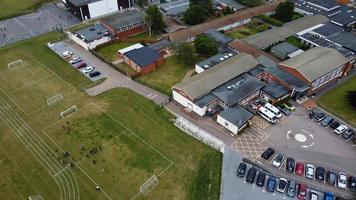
340, 129
88, 69
75, 60
309, 171
67, 54
342, 180
278, 160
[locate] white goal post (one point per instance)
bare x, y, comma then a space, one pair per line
149, 185
55, 99
15, 63
68, 111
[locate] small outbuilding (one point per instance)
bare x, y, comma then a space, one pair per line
235, 118
143, 60
283, 50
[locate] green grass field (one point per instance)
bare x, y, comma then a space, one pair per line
335, 102
248, 31
132, 139
109, 52
12, 8
165, 76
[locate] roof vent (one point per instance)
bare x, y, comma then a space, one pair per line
229, 87
230, 54
226, 56
206, 66
221, 58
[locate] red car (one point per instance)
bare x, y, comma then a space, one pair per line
299, 169
302, 191
81, 65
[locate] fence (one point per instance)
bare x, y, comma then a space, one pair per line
192, 130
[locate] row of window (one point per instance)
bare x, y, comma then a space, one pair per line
326, 78
129, 27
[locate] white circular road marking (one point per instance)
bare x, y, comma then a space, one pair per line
300, 137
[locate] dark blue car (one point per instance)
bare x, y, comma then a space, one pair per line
328, 196
271, 184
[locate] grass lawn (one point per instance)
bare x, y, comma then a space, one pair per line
165, 76
335, 101
12, 8
109, 52
132, 139
247, 31
296, 42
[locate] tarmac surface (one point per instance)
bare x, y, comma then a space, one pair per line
48, 18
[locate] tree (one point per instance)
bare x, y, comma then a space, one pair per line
351, 97
194, 15
154, 20
228, 10
285, 11
185, 53
141, 3
205, 45
206, 5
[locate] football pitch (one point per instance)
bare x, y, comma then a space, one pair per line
114, 146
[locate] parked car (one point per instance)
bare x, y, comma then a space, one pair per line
66, 54
334, 124
352, 183
309, 171
290, 165
251, 175
342, 180
302, 191
278, 160
340, 129
282, 185
284, 109
267, 153
241, 170
319, 117
328, 196
75, 60
271, 184
94, 74
88, 69
299, 169
320, 173
291, 188
327, 121
289, 106
348, 134
313, 195
261, 177
331, 178
81, 65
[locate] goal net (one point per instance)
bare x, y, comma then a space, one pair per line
68, 111
54, 99
14, 63
149, 185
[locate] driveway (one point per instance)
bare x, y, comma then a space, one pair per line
45, 20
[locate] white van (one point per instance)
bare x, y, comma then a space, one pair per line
274, 110
267, 115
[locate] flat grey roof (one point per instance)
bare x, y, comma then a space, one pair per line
236, 115
124, 19
329, 4
256, 70
238, 89
82, 2
266, 62
285, 47
215, 59
274, 35
93, 32
286, 77
232, 3
345, 39
328, 29
175, 7
205, 100
219, 37
275, 90
201, 84
159, 45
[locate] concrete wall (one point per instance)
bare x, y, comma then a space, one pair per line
185, 102
228, 125
88, 46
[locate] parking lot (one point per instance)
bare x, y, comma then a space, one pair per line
61, 47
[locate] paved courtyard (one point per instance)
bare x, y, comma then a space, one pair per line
46, 19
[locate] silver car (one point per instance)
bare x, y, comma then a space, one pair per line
309, 171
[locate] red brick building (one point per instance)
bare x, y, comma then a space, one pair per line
143, 60
125, 24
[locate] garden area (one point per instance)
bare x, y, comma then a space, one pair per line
252, 28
